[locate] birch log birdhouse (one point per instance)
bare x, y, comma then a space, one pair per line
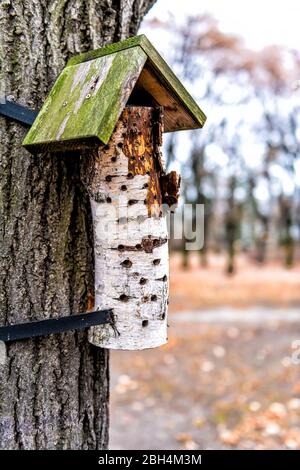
112, 105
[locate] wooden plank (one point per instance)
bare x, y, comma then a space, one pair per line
86, 102
90, 94
158, 63
176, 117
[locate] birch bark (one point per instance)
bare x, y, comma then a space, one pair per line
130, 233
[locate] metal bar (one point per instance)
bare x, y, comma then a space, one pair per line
55, 325
18, 112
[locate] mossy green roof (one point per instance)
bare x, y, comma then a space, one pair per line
90, 94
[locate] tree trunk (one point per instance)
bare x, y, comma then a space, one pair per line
54, 390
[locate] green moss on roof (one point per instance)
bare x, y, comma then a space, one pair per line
91, 92
157, 62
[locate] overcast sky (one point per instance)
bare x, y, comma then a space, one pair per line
261, 22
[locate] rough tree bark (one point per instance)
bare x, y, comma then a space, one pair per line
53, 391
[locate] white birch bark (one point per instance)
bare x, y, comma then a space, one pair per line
131, 252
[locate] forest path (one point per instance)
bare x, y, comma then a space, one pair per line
228, 378
253, 315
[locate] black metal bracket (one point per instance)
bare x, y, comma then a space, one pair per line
56, 325
17, 112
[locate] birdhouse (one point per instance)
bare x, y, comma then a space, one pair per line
113, 104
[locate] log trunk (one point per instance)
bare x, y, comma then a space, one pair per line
53, 391
123, 180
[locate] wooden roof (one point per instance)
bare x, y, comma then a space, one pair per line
90, 94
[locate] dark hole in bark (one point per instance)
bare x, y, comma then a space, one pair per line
154, 298
145, 186
123, 187
142, 158
145, 323
106, 147
148, 173
130, 176
165, 278
108, 178
156, 262
108, 199
146, 298
126, 263
131, 202
133, 159
145, 201
163, 316
143, 281
121, 247
120, 145
138, 246
156, 242
124, 298
113, 159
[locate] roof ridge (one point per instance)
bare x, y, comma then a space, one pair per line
108, 49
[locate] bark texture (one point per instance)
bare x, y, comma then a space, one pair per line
53, 391
130, 233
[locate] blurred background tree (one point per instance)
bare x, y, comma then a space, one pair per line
244, 165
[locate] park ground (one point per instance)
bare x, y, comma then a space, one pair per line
229, 377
